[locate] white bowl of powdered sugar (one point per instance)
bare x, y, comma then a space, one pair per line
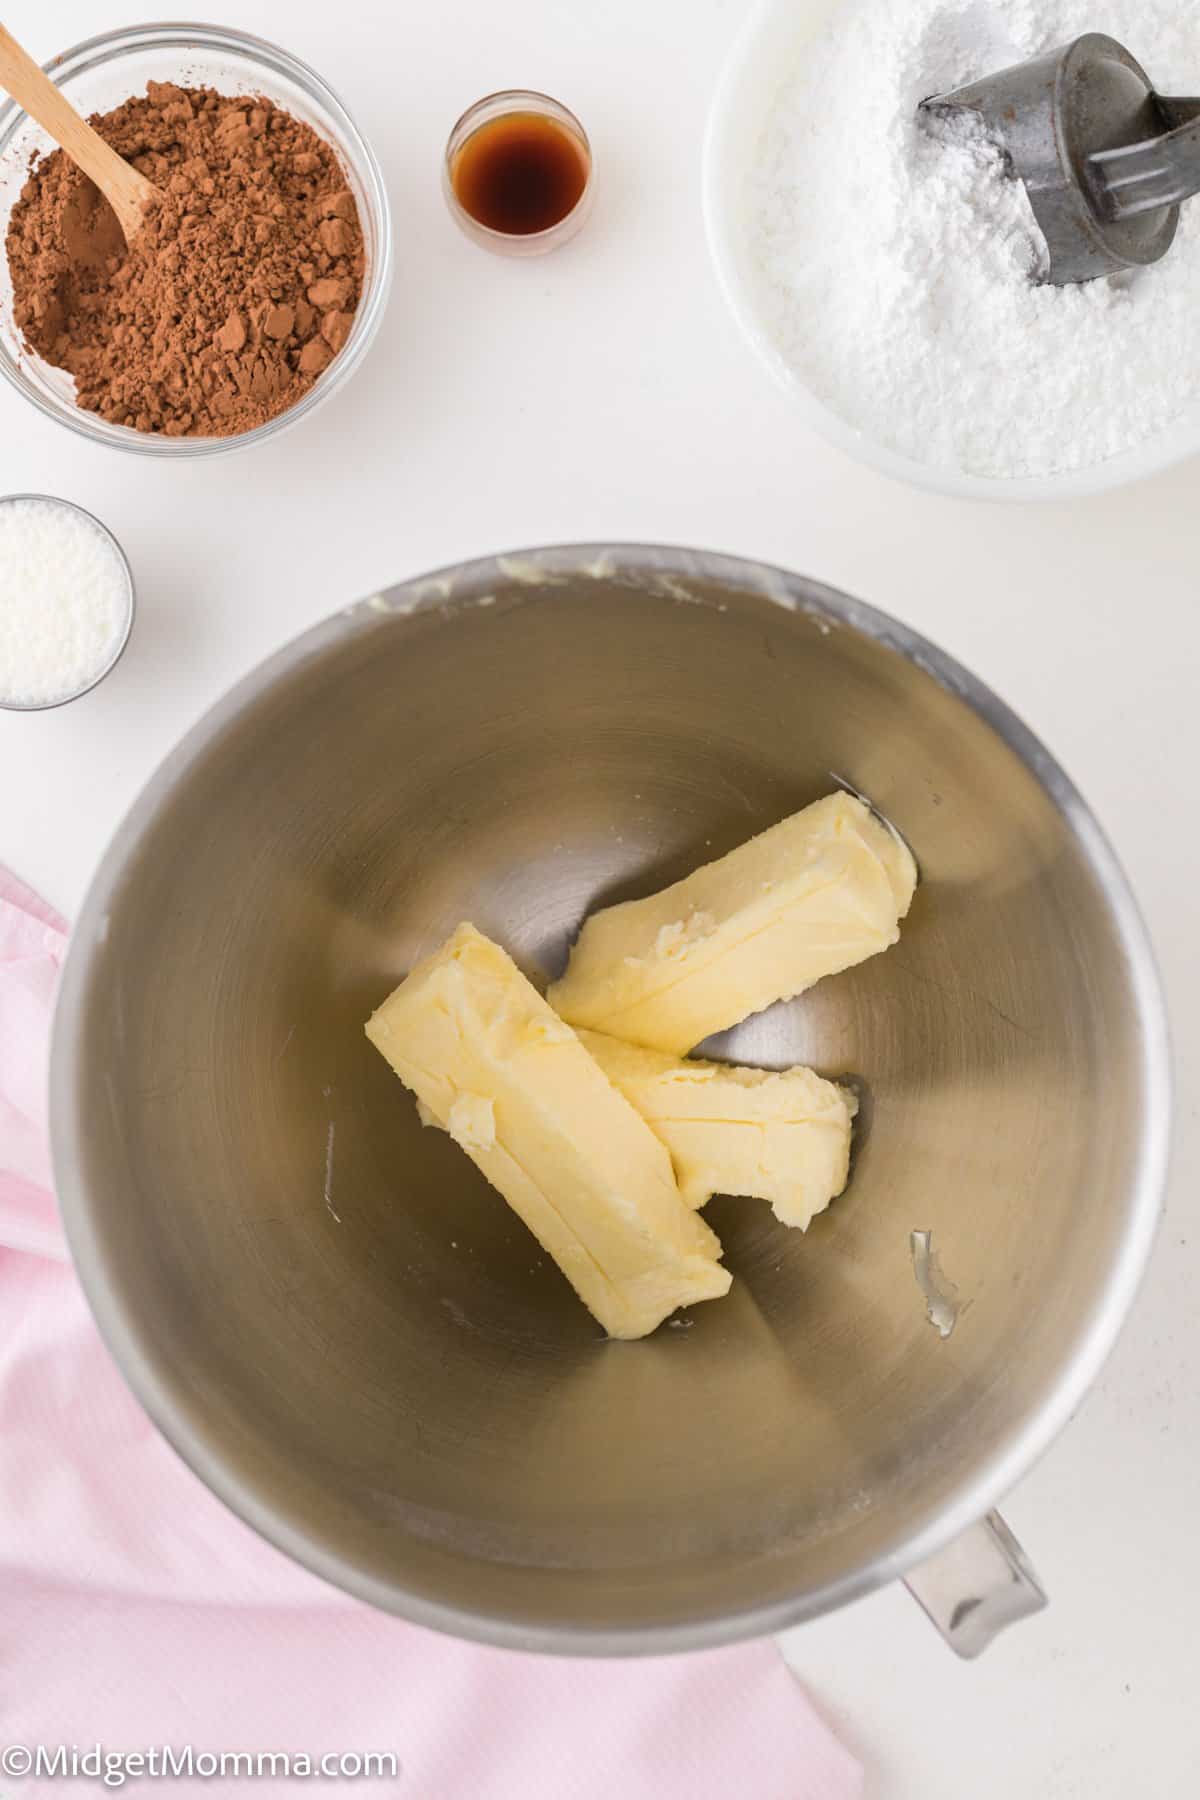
889, 277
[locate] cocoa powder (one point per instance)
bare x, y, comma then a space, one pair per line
235, 295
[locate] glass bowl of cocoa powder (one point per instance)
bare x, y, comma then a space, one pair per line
253, 290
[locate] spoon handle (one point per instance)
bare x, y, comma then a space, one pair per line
127, 192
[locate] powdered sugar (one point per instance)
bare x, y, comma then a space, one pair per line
64, 601
896, 266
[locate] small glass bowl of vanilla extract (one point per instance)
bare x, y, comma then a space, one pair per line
518, 173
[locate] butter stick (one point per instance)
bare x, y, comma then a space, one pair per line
782, 1137
493, 1065
815, 894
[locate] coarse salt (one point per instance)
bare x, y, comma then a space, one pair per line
896, 269
64, 601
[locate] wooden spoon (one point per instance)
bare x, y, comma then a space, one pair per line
127, 192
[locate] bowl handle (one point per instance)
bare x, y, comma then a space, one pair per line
981, 1582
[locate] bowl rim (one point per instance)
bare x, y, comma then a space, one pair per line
1178, 441
659, 571
110, 46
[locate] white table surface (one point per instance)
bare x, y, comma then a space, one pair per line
604, 394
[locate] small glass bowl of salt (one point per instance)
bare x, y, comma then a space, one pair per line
66, 602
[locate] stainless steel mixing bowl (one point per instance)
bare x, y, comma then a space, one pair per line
345, 1331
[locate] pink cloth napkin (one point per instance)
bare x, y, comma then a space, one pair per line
136, 1612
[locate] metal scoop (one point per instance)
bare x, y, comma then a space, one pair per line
1105, 160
